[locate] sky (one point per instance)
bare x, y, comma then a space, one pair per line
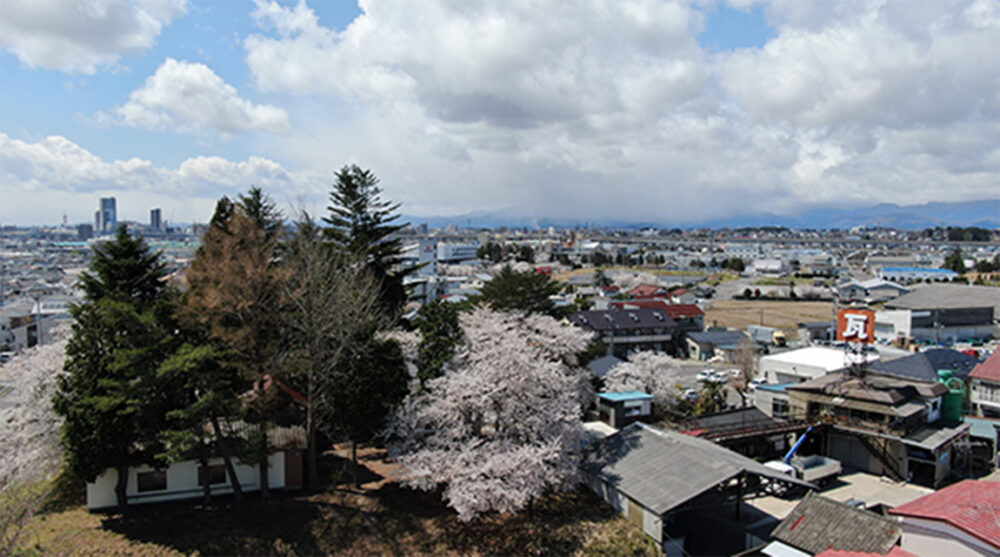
626, 110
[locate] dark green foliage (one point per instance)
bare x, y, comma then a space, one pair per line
124, 269
955, 261
260, 209
600, 259
492, 251
734, 264
112, 399
360, 222
525, 253
601, 279
370, 382
440, 334
527, 291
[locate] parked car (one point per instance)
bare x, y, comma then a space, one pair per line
752, 386
691, 395
705, 375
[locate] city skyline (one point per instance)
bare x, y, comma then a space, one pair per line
637, 112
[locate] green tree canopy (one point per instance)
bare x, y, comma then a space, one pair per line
111, 397
440, 334
526, 291
361, 222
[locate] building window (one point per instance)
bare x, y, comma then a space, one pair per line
215, 474
152, 481
779, 408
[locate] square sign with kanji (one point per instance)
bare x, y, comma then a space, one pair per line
856, 325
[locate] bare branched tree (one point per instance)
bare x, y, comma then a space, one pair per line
746, 360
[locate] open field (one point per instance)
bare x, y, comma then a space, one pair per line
379, 518
784, 315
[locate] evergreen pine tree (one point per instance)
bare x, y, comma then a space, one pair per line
361, 222
111, 398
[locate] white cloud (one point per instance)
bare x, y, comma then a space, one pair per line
600, 111
55, 168
189, 97
81, 37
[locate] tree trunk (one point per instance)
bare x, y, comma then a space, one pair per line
205, 477
120, 488
265, 487
354, 461
312, 474
230, 470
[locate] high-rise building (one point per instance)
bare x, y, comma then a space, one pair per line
154, 220
106, 217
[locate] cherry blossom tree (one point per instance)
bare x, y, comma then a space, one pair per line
503, 426
650, 372
29, 434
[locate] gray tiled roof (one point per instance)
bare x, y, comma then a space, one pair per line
817, 524
663, 469
924, 366
624, 319
719, 338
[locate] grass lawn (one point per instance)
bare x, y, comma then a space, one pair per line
379, 518
781, 314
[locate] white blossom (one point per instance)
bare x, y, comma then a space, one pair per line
29, 428
649, 372
503, 425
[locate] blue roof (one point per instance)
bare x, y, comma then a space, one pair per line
984, 429
918, 270
779, 388
627, 395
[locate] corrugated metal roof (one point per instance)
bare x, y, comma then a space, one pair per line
626, 395
970, 505
663, 469
818, 523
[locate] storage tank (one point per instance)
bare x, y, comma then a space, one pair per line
951, 409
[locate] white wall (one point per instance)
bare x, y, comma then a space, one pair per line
182, 482
931, 537
892, 323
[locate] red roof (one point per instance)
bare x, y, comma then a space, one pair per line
647, 291
684, 310
675, 311
988, 370
896, 551
972, 506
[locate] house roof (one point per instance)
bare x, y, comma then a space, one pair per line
896, 551
818, 523
718, 338
730, 418
988, 370
882, 390
923, 366
647, 291
641, 318
624, 396
970, 505
662, 470
601, 366
676, 311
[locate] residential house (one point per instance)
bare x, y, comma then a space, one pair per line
818, 524
774, 267
817, 331
627, 330
705, 345
959, 520
870, 291
984, 387
925, 365
619, 409
689, 318
185, 479
647, 291
883, 425
679, 489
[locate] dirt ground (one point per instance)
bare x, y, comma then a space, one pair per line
738, 314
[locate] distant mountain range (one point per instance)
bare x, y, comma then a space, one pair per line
985, 214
